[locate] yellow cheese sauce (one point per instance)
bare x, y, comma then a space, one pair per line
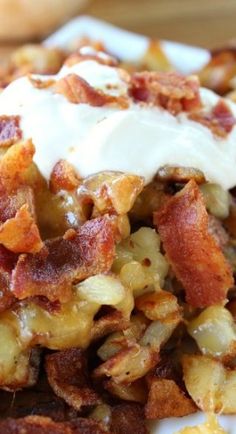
210, 427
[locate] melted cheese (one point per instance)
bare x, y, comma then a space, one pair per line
210, 427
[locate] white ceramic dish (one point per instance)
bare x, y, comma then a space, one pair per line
130, 46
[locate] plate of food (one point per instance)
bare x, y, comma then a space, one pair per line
117, 236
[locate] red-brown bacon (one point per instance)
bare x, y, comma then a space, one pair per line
63, 177
45, 425
171, 91
7, 263
18, 229
10, 131
67, 374
193, 253
76, 256
78, 91
220, 120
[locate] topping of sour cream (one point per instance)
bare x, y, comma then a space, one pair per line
139, 139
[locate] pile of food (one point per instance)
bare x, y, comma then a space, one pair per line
117, 242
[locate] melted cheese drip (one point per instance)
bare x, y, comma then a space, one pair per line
210, 427
137, 140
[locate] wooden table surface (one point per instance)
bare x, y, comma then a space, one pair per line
209, 23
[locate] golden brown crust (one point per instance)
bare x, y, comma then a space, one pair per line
68, 376
166, 399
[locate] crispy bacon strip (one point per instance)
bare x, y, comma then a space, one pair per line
68, 376
63, 177
194, 255
10, 131
171, 91
76, 256
45, 425
166, 399
78, 91
220, 120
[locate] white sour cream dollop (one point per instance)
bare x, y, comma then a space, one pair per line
138, 140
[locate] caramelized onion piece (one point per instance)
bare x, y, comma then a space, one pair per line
68, 376
195, 257
76, 256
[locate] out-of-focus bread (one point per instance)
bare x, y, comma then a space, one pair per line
27, 19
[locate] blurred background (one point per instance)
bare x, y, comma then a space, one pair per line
208, 23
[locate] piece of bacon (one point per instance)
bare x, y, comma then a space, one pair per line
76, 256
13, 165
18, 229
78, 91
194, 255
45, 425
10, 131
7, 263
68, 376
220, 120
170, 91
63, 177
20, 233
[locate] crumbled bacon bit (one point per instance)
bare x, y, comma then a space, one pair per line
68, 376
78, 91
20, 233
52, 271
10, 131
195, 257
18, 230
63, 177
170, 91
45, 425
7, 263
220, 120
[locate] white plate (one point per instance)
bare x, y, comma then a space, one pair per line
131, 47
